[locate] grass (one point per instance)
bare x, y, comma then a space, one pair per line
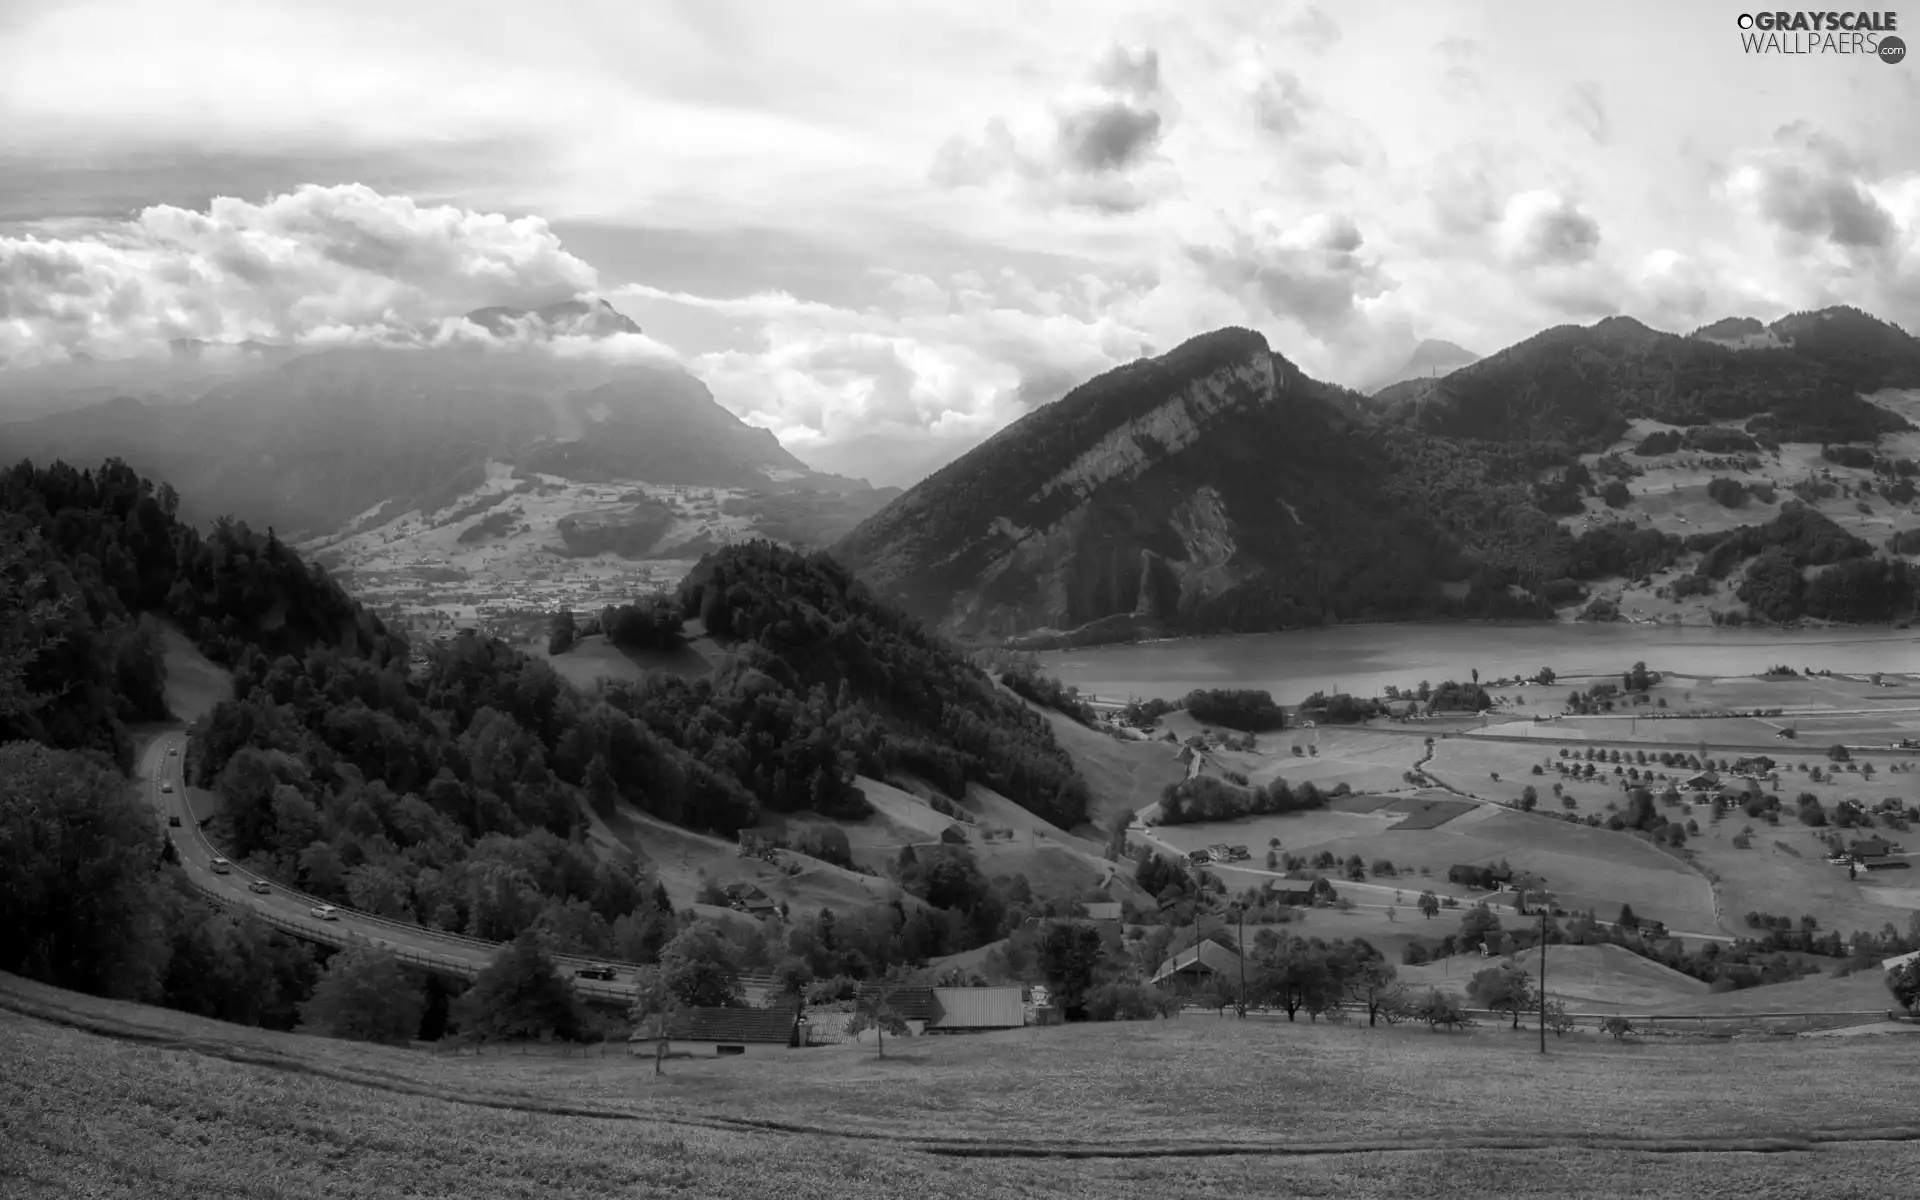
194, 682
1427, 814
1187, 1107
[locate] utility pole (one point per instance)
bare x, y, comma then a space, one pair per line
1243, 961
1543, 977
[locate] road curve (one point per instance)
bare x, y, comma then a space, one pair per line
162, 766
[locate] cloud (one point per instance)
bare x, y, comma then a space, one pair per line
1588, 111
1098, 135
1281, 103
1540, 228
1811, 186
1130, 73
1312, 273
893, 390
319, 265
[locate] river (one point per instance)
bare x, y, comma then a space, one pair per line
1364, 659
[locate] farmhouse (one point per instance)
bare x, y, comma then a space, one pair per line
1103, 910
1198, 964
1703, 781
1870, 847
1300, 897
749, 899
1480, 877
726, 1031
1739, 791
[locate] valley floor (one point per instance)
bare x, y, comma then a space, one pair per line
109, 1099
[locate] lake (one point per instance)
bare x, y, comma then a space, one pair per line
1364, 659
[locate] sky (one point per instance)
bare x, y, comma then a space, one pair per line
885, 230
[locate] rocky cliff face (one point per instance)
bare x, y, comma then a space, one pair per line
1209, 488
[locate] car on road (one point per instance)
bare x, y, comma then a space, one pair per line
326, 912
175, 752
260, 886
173, 819
596, 971
166, 787
220, 866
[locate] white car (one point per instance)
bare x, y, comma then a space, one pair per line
167, 788
326, 912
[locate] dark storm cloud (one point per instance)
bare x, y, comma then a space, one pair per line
1559, 234
1812, 186
1108, 137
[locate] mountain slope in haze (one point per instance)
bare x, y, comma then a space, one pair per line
1431, 359
1212, 487
310, 444
1799, 379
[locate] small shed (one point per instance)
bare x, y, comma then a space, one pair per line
959, 1009
1103, 910
1870, 847
722, 1032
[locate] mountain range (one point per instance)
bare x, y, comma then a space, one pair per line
315, 442
1217, 488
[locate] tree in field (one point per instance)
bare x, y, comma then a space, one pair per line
652, 1012
1375, 985
1295, 974
1904, 982
1628, 921
1069, 954
699, 967
1477, 925
77, 905
1529, 798
365, 995
1505, 988
520, 996
1439, 1008
1429, 904
1557, 1018
876, 1004
1619, 1027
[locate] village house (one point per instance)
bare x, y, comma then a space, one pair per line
1103, 910
1196, 966
722, 1032
749, 899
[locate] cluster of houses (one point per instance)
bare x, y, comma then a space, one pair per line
1221, 853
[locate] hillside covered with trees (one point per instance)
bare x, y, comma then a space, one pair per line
455, 794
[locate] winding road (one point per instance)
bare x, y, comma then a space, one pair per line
162, 775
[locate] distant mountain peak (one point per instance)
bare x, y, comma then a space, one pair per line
579, 317
1432, 357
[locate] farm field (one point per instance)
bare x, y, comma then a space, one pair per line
1121, 776
1584, 867
1587, 978
1465, 1115
1785, 872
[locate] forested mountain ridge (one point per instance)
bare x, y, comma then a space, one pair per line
458, 794
1799, 379
1215, 486
1217, 489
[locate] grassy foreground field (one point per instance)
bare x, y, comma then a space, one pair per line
109, 1099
